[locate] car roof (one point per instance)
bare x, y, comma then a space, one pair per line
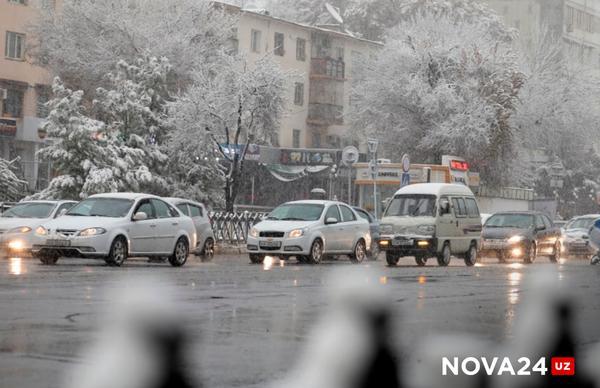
585, 216
124, 195
176, 201
316, 202
435, 189
43, 201
524, 212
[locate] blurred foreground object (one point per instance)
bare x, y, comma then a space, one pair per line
141, 344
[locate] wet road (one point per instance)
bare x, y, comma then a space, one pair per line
252, 321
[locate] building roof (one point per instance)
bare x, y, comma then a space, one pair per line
435, 189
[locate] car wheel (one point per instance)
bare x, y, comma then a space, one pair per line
180, 253
256, 259
501, 257
531, 254
208, 252
555, 257
374, 252
392, 259
316, 252
360, 252
443, 258
421, 261
471, 256
595, 260
118, 252
49, 258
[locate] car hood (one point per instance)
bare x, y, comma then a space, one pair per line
576, 233
504, 233
79, 223
283, 226
7, 223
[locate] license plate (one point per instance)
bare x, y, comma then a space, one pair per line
58, 243
494, 244
270, 244
403, 243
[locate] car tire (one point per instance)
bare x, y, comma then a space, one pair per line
392, 259
49, 258
208, 251
555, 256
374, 252
360, 252
471, 256
421, 260
180, 253
316, 252
118, 252
531, 253
444, 257
256, 259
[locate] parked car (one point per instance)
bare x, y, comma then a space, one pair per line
309, 230
431, 220
575, 236
116, 226
521, 235
17, 224
205, 238
374, 229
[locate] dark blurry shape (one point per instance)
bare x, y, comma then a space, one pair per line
169, 345
318, 193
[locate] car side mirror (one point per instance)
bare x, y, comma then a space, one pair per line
540, 228
62, 212
331, 221
140, 216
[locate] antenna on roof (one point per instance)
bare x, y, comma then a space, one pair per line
334, 13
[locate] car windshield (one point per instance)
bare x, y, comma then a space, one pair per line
517, 221
297, 212
30, 210
414, 205
580, 223
102, 207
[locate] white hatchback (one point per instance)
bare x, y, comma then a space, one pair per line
116, 226
310, 230
17, 224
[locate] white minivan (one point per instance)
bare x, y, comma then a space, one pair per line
431, 220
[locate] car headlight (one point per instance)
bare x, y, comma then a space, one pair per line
20, 229
429, 229
254, 232
515, 239
40, 230
92, 232
296, 233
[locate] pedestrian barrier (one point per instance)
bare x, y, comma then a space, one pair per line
233, 228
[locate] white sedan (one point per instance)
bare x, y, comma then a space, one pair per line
116, 226
17, 224
310, 230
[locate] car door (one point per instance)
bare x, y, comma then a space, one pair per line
553, 232
350, 228
201, 222
474, 227
459, 242
167, 226
332, 233
541, 233
142, 234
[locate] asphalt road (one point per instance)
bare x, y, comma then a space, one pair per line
251, 321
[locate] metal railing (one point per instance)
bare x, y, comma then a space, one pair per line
233, 228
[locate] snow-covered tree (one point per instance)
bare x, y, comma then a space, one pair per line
83, 39
12, 187
227, 109
441, 88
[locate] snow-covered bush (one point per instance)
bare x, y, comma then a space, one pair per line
12, 188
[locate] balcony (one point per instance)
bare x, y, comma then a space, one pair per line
325, 114
327, 68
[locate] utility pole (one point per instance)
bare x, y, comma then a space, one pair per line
373, 144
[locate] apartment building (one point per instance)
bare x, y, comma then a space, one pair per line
24, 88
577, 21
322, 62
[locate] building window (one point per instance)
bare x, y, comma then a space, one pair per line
316, 140
23, 2
300, 49
279, 41
44, 94
296, 138
15, 45
255, 41
12, 105
339, 53
299, 93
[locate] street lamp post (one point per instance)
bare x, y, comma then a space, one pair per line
373, 144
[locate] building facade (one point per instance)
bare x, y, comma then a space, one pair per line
24, 88
576, 21
322, 63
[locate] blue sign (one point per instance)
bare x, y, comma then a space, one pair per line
405, 179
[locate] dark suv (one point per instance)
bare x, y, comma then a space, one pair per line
521, 235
